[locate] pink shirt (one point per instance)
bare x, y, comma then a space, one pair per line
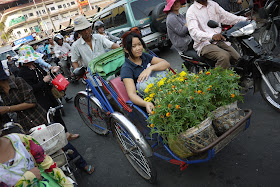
197, 17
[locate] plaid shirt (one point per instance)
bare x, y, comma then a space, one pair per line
21, 92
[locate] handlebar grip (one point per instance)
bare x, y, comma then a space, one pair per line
58, 107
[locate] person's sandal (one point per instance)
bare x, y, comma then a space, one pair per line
90, 169
71, 136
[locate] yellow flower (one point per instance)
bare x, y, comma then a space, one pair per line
159, 106
201, 72
169, 105
173, 86
161, 116
150, 85
160, 83
203, 93
183, 74
152, 95
208, 73
209, 89
177, 107
169, 92
180, 90
146, 99
232, 95
153, 112
168, 114
231, 74
181, 79
146, 90
199, 92
152, 125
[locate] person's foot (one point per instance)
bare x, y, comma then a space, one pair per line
89, 169
71, 136
67, 99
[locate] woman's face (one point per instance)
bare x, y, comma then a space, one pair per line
100, 30
137, 47
176, 6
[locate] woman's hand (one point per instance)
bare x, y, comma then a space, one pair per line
149, 107
144, 75
4, 109
47, 78
37, 173
54, 69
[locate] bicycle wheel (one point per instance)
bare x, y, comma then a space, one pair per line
90, 111
274, 79
135, 155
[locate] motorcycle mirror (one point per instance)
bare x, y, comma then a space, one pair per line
251, 4
80, 71
212, 24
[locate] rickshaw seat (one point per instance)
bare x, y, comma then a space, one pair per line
120, 89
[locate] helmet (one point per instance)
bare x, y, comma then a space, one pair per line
57, 37
98, 24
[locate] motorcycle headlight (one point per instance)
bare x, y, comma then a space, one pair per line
247, 30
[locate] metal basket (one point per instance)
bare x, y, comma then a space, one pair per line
51, 138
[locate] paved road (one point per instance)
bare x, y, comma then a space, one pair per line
252, 159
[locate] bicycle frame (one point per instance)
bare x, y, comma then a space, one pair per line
173, 159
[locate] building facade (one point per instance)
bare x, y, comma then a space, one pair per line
44, 16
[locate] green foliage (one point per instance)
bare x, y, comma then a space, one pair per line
184, 100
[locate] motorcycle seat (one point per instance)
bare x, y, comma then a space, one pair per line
192, 56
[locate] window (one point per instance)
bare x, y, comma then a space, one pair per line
18, 32
43, 11
106, 18
59, 6
68, 4
25, 16
72, 3
38, 12
143, 8
31, 29
48, 9
25, 30
52, 8
119, 16
64, 6
30, 14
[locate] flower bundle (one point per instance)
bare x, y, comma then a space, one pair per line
184, 100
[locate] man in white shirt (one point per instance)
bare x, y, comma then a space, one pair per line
199, 13
62, 51
89, 45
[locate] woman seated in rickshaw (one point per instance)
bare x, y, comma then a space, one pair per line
139, 69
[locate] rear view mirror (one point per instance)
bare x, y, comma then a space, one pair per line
80, 71
212, 24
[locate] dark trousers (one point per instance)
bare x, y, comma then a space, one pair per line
81, 163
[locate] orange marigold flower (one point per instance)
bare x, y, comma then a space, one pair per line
159, 106
232, 95
191, 97
168, 114
153, 112
152, 125
180, 90
195, 91
159, 90
208, 73
200, 72
231, 74
209, 89
161, 116
169, 105
203, 93
148, 125
169, 92
173, 86
199, 92
177, 107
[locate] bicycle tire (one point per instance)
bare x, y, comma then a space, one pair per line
94, 115
266, 93
128, 146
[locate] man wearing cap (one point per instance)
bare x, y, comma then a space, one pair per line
89, 45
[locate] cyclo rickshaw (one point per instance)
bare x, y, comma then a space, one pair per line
107, 108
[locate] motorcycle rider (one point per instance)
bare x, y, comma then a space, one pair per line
62, 50
198, 14
100, 29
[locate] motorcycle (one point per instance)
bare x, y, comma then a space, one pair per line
269, 34
255, 67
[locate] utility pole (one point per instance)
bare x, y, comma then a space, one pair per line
44, 5
89, 5
80, 7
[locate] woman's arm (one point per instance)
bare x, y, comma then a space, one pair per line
158, 64
15, 108
136, 99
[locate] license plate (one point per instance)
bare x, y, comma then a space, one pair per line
146, 31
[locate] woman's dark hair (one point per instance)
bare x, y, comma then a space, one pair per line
127, 43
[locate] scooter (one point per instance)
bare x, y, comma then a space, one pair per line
261, 70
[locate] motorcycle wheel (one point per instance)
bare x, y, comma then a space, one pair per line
274, 80
267, 38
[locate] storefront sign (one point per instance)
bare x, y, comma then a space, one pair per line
24, 40
17, 20
83, 3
